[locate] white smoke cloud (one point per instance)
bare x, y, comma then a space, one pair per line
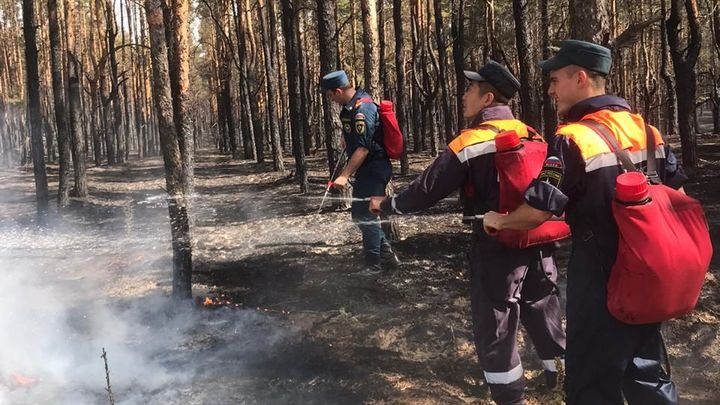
66, 294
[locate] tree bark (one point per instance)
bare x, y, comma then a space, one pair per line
330, 61
59, 102
716, 73
302, 78
255, 114
442, 78
549, 115
417, 110
383, 75
117, 127
248, 131
170, 146
458, 36
34, 119
684, 61
530, 106
272, 89
74, 104
400, 83
589, 21
181, 102
292, 61
370, 47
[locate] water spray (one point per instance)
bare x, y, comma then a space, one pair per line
330, 182
480, 217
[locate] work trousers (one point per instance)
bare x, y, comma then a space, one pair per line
370, 180
607, 360
509, 287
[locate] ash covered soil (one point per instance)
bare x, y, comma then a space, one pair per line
276, 318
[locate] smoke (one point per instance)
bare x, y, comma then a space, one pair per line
69, 292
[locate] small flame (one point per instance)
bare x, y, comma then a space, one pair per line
208, 301
23, 380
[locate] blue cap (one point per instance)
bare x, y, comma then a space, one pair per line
584, 54
498, 76
333, 80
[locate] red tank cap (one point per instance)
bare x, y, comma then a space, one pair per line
631, 186
507, 140
386, 106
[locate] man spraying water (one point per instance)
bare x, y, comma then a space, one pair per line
367, 160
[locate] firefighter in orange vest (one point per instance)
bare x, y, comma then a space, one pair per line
607, 362
507, 286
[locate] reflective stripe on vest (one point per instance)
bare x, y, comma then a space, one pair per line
473, 142
629, 130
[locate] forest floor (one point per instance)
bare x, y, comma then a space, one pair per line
277, 317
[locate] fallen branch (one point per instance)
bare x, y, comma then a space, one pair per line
107, 378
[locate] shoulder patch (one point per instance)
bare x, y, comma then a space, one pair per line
360, 126
552, 171
359, 116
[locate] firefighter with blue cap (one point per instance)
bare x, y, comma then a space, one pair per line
367, 161
608, 362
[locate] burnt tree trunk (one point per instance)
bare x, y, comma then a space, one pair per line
77, 144
418, 109
255, 114
401, 83
248, 131
529, 104
170, 146
684, 65
458, 36
59, 101
330, 61
272, 89
180, 43
442, 76
549, 115
34, 118
292, 60
716, 79
671, 124
117, 122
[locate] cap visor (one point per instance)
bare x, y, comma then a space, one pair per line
470, 75
553, 63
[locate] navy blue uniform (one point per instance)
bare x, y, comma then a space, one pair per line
361, 128
507, 286
605, 357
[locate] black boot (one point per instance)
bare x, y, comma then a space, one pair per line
550, 379
389, 259
372, 268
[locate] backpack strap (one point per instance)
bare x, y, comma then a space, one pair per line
361, 101
652, 173
533, 134
621, 154
490, 127
469, 203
